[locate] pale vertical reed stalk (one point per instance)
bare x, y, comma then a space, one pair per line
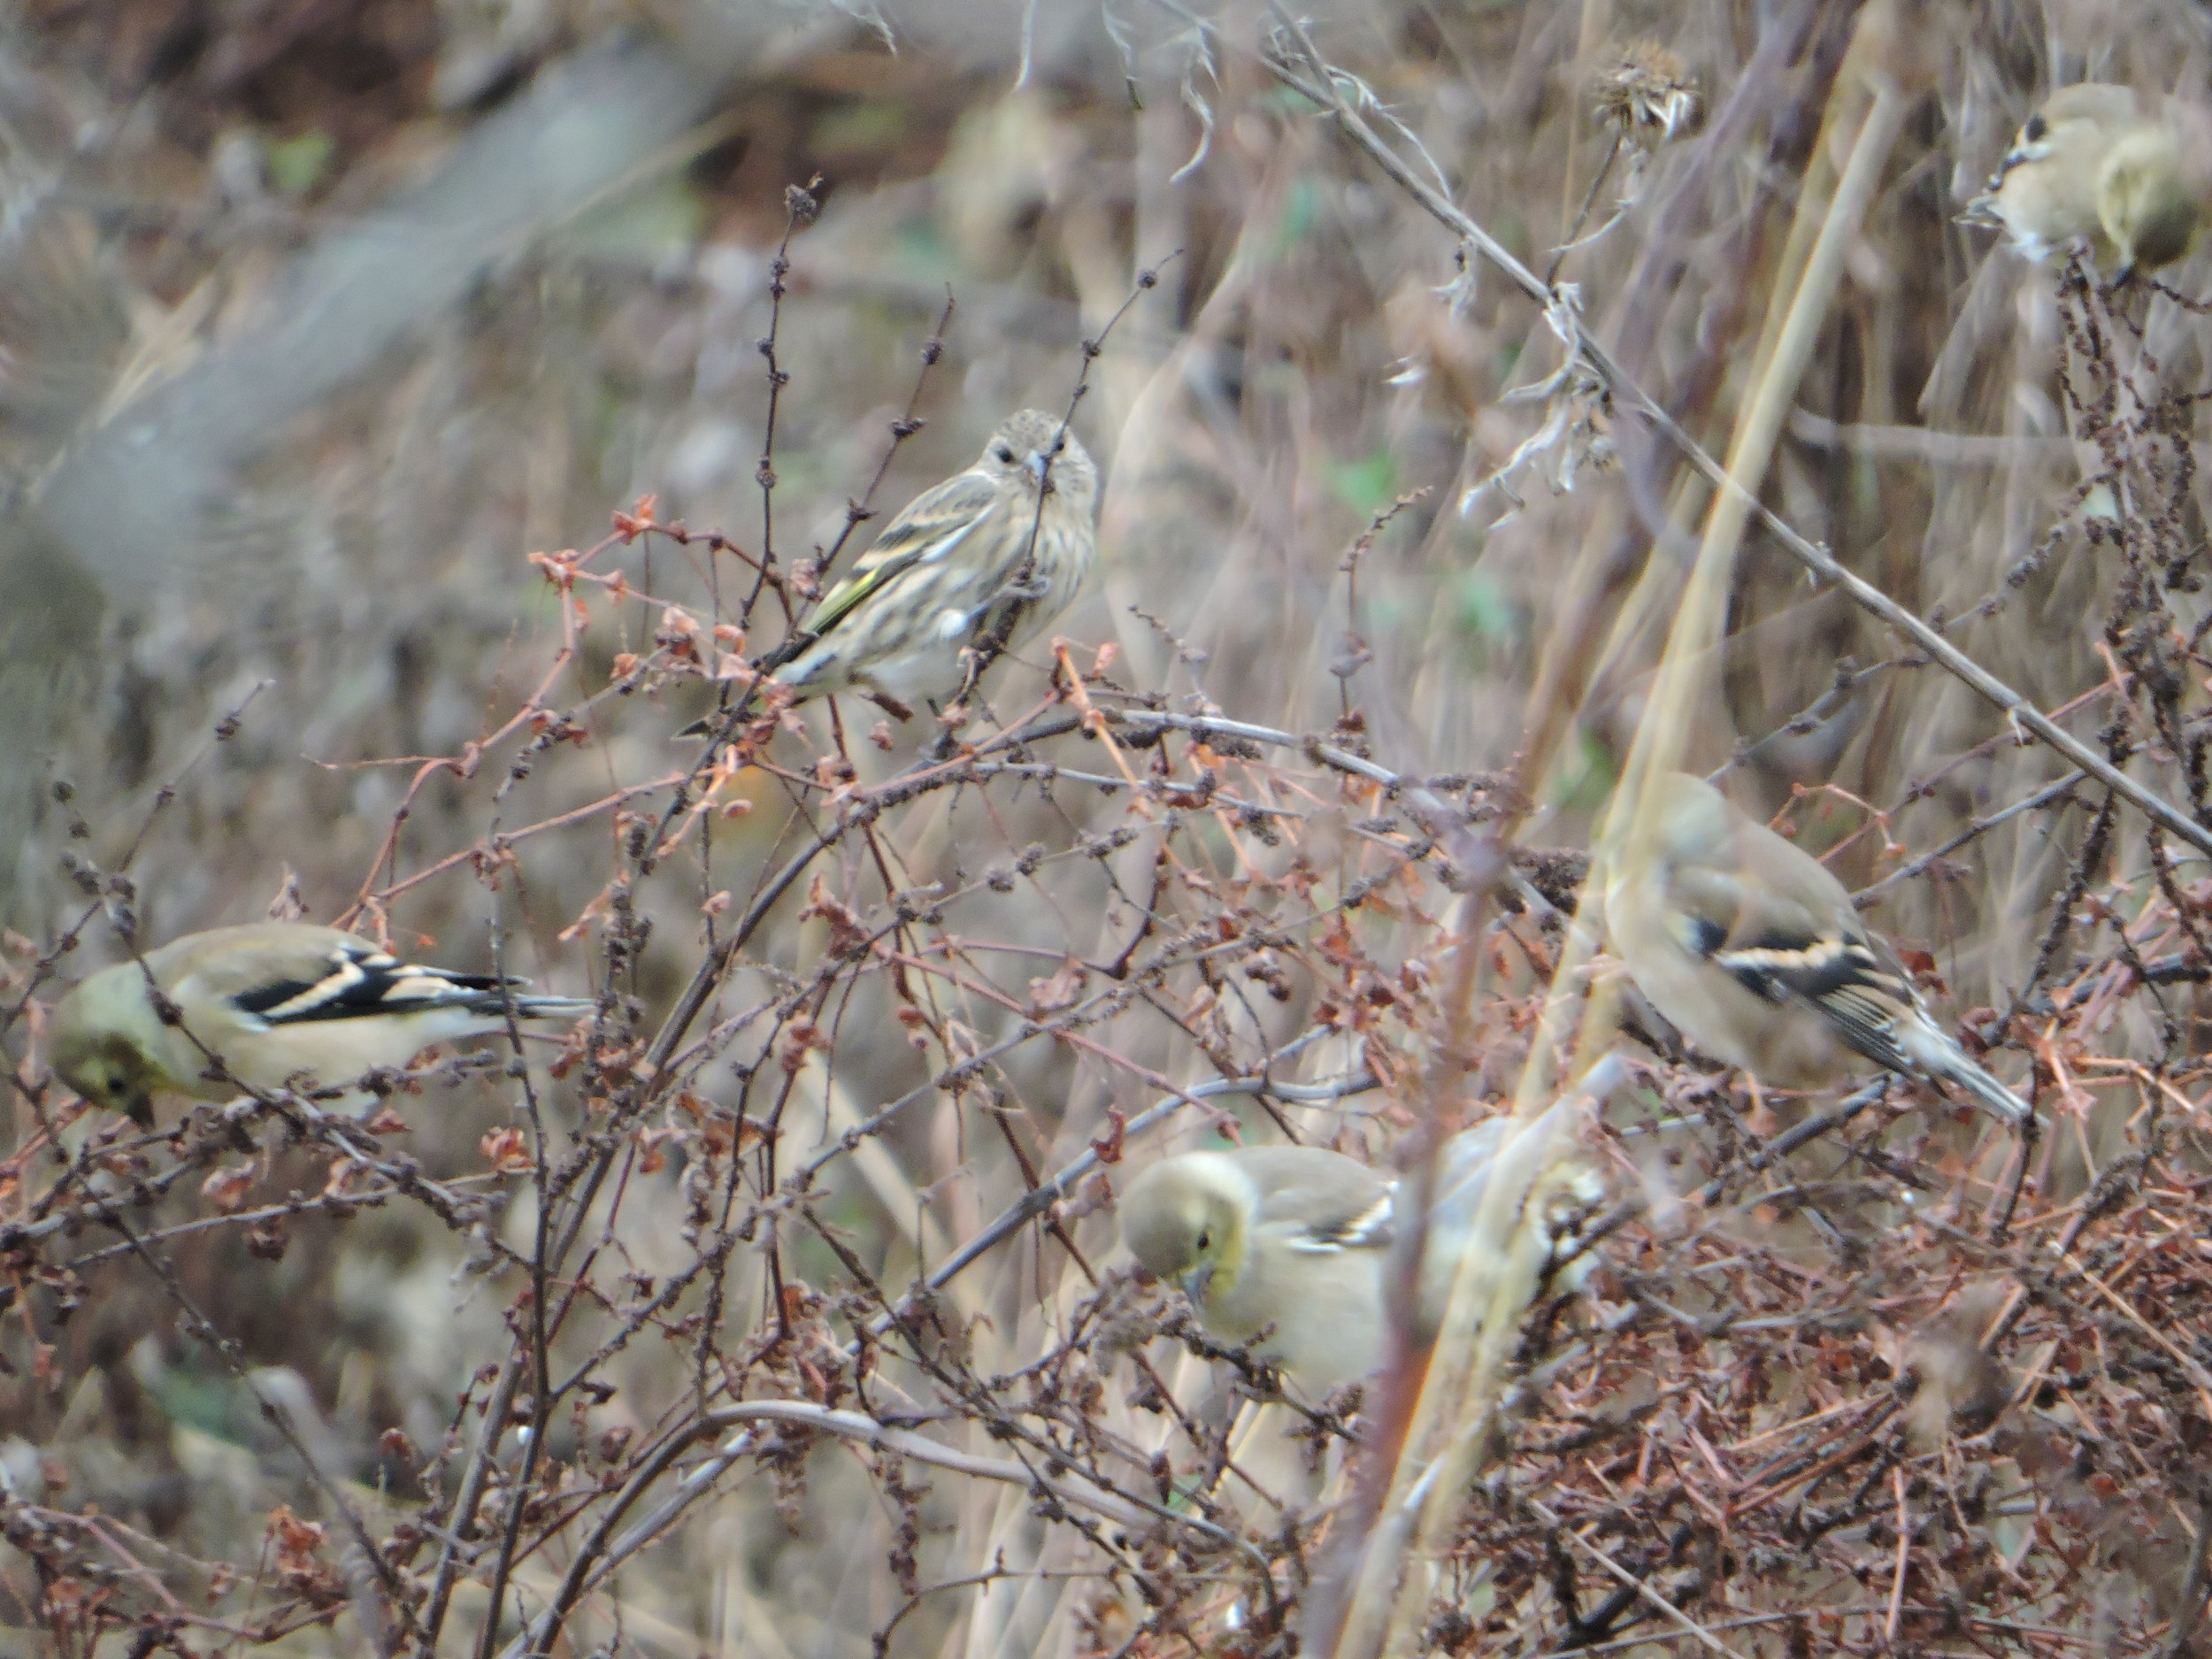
1460, 1393
1684, 689
1456, 1416
1683, 686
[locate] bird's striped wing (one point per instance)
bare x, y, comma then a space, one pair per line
933, 524
1317, 1222
1783, 953
353, 981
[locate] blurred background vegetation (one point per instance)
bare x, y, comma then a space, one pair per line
318, 318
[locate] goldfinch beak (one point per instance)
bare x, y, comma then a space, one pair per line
1038, 463
1195, 1283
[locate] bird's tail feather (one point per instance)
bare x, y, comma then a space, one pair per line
1955, 1067
553, 1007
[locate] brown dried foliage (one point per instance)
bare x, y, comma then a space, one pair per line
781, 1294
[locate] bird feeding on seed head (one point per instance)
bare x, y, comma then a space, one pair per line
273, 1001
1300, 1241
993, 554
1753, 950
2101, 165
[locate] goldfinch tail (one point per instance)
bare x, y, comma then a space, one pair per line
551, 1007
1947, 1063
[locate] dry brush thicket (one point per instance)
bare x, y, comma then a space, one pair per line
777, 1308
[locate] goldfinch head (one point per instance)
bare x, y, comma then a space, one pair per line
92, 1047
1184, 1220
2087, 106
1686, 819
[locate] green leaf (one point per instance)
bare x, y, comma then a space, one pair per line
209, 1404
859, 128
646, 225
297, 166
1587, 774
1301, 211
1368, 485
919, 250
1481, 606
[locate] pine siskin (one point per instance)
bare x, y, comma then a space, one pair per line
275, 1001
2100, 164
1753, 950
945, 578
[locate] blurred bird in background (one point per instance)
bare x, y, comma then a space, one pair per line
1753, 950
997, 552
1298, 1241
274, 1002
2100, 164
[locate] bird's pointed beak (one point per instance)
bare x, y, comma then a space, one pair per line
1196, 1282
1039, 463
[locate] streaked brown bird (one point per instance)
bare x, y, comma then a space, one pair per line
997, 550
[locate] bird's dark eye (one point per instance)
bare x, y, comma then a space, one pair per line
2034, 129
1005, 455
1205, 1240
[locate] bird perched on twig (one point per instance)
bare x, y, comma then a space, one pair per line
1753, 950
2098, 163
273, 1001
1299, 1241
979, 562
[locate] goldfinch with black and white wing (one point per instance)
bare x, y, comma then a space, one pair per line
1753, 950
276, 1002
1294, 1237
1298, 1241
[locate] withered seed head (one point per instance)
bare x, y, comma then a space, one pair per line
1646, 93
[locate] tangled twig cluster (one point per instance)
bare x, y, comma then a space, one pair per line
811, 1221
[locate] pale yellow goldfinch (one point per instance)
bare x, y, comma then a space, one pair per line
276, 1002
1300, 1240
1753, 950
2102, 164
